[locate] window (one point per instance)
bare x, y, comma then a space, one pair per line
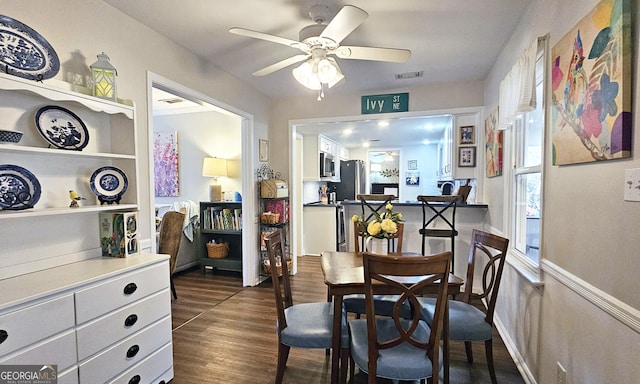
526, 174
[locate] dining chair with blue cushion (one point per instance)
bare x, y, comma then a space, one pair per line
395, 347
467, 322
304, 325
355, 303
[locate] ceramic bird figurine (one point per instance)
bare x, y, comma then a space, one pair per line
75, 197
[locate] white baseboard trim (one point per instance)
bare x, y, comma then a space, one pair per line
522, 366
619, 310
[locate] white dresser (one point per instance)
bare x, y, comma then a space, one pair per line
102, 320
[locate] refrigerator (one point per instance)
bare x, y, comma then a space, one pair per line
352, 180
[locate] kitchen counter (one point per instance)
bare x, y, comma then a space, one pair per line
468, 217
410, 203
319, 204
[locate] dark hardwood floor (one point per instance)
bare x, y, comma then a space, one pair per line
226, 333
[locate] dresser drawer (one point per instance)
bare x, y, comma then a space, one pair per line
59, 350
98, 334
119, 291
69, 377
147, 370
28, 325
126, 354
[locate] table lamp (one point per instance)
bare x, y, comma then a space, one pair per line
214, 167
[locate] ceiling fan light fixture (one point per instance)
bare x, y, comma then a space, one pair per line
326, 71
305, 76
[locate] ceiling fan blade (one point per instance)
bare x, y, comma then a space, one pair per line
373, 53
348, 19
281, 64
264, 36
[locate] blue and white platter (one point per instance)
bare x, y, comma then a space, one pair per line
19, 188
62, 128
24, 52
109, 184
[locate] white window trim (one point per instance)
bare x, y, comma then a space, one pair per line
532, 272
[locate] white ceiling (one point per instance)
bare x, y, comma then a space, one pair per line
451, 40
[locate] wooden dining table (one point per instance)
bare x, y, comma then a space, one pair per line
344, 275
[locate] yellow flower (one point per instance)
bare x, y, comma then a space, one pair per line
389, 226
374, 228
355, 218
389, 207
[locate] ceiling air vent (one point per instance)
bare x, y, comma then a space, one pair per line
172, 101
409, 75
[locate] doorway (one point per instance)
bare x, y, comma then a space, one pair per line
203, 127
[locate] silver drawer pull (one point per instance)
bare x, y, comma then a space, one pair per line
130, 320
131, 352
130, 288
135, 379
3, 335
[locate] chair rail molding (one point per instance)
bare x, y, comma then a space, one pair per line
619, 310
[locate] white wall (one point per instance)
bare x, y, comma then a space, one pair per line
200, 135
92, 26
587, 316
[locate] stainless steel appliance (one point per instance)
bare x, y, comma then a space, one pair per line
341, 238
352, 180
327, 165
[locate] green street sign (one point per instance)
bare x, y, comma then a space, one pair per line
395, 102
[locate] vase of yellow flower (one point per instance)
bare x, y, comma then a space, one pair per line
379, 229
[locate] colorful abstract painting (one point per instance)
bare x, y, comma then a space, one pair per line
493, 145
591, 87
165, 164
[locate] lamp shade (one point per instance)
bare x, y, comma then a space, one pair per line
214, 167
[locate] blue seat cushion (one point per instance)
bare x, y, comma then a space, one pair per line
383, 305
310, 325
403, 362
466, 322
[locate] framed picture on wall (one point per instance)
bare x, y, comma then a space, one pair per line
413, 164
467, 134
263, 150
467, 157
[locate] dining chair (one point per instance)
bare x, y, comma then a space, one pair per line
439, 220
304, 325
355, 303
169, 238
466, 321
396, 347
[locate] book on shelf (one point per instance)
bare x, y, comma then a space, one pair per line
220, 218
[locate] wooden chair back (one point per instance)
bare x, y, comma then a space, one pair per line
371, 204
281, 284
395, 242
489, 251
170, 236
390, 271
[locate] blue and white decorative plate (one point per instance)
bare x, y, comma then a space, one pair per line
109, 184
24, 53
19, 188
62, 128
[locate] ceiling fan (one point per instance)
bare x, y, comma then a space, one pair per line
318, 41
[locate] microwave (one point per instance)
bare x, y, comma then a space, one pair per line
327, 165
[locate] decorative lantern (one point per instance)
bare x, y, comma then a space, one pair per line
104, 75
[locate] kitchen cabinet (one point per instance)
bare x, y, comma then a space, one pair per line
312, 146
221, 221
343, 153
53, 316
320, 228
445, 159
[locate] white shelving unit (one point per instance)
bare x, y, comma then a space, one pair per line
112, 142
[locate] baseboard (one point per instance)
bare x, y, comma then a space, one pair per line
522, 366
